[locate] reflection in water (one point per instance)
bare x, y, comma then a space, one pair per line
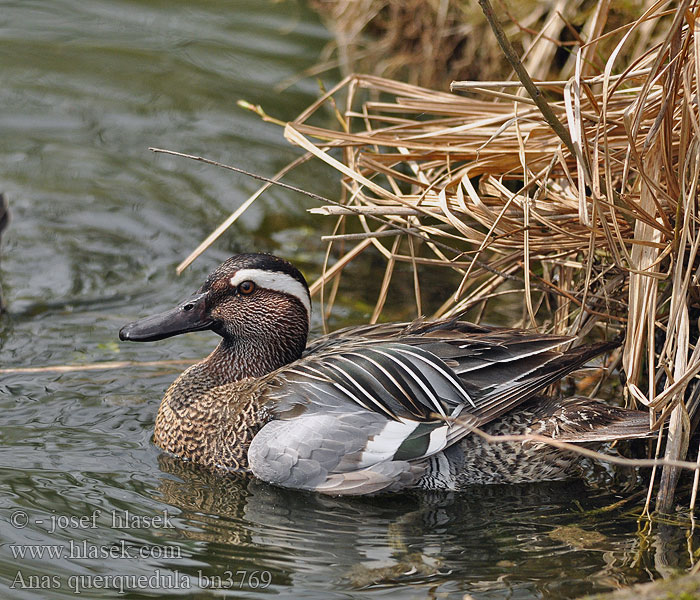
82, 454
492, 538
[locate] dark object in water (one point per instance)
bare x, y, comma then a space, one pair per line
4, 220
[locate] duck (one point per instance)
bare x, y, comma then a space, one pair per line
372, 408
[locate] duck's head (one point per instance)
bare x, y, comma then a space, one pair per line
258, 299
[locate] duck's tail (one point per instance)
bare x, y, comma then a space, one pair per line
580, 420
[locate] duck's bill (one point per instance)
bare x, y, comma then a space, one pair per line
191, 315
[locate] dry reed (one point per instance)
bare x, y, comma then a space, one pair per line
433, 42
597, 226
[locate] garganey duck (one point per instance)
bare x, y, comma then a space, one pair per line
370, 408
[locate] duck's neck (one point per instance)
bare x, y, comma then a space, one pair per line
236, 359
233, 360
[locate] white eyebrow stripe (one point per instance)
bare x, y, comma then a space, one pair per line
275, 280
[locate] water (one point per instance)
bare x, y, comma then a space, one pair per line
99, 225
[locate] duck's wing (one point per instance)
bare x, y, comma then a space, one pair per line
364, 416
393, 379
381, 332
500, 370
341, 453
359, 421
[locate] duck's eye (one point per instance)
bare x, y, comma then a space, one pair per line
246, 288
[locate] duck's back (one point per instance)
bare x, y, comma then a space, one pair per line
365, 411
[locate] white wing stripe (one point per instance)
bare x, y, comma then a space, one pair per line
384, 445
438, 440
433, 399
307, 372
358, 386
383, 370
462, 393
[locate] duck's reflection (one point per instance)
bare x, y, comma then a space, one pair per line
489, 538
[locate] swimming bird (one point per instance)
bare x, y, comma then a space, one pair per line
371, 408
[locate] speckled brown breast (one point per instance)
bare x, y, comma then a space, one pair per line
213, 428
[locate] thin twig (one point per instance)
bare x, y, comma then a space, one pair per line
616, 460
301, 191
523, 75
101, 366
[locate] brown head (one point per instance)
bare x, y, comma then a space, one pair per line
258, 303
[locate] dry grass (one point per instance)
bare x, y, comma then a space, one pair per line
433, 42
595, 229
604, 236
